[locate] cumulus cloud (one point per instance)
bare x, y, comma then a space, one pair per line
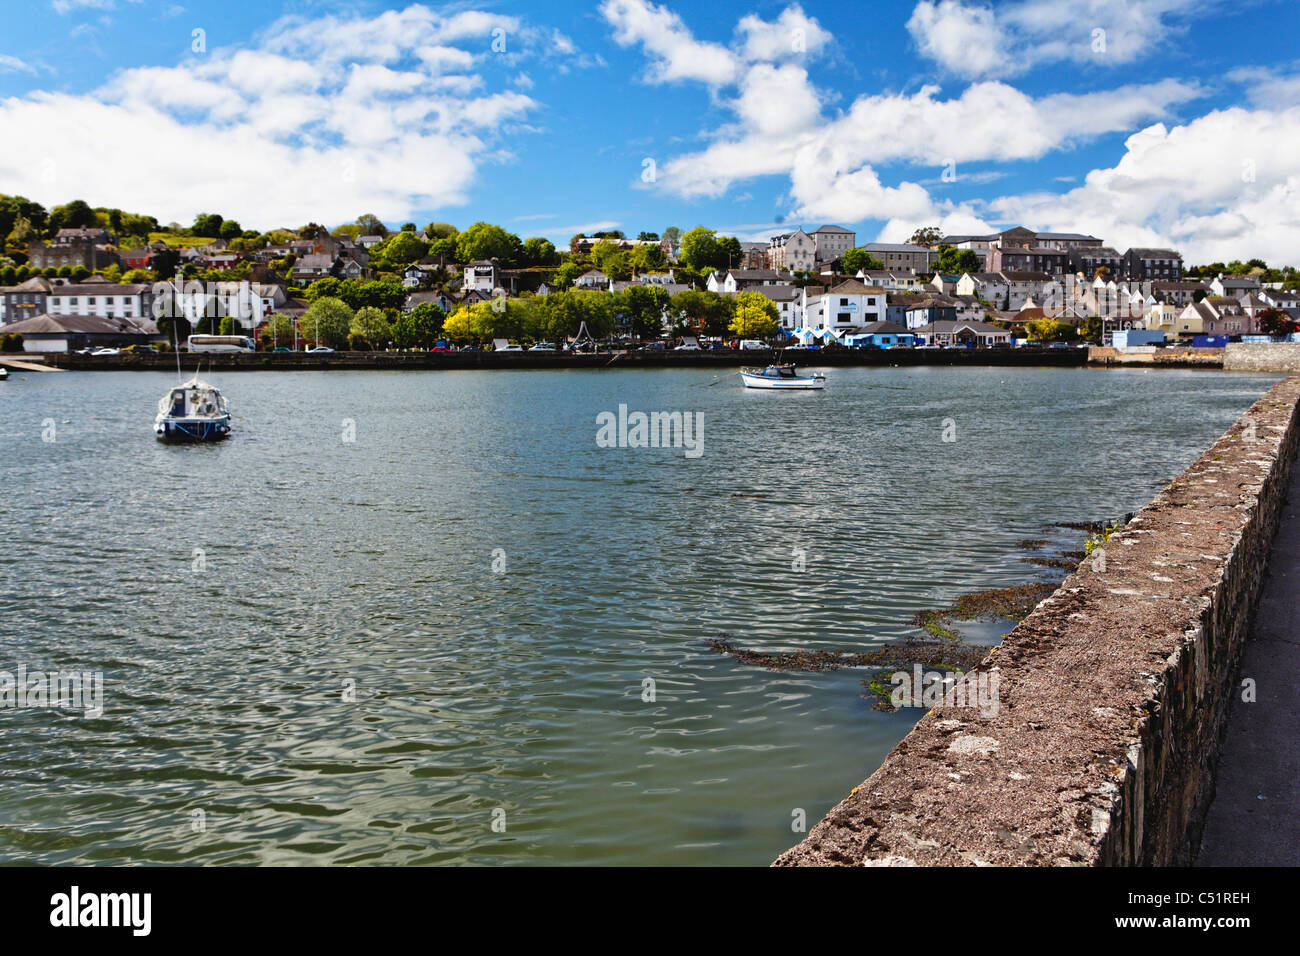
11, 64
975, 40
318, 120
675, 53
826, 158
1223, 186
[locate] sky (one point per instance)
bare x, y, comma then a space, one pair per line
1144, 122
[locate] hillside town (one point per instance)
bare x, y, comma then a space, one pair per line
67, 287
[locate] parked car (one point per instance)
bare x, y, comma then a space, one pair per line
542, 347
320, 348
107, 352
140, 350
653, 347
752, 345
281, 348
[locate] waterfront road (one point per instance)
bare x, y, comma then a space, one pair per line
1255, 817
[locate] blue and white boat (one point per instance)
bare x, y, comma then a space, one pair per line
781, 377
192, 411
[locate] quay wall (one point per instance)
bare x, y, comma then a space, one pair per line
1112, 694
1262, 357
1162, 357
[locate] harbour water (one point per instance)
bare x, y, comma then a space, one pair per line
420, 617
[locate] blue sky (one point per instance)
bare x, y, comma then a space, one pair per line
1142, 121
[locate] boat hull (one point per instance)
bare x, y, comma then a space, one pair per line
781, 384
192, 429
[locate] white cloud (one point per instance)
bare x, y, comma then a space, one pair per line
963, 38
989, 121
975, 40
676, 54
11, 64
67, 6
1223, 186
1269, 88
792, 34
317, 120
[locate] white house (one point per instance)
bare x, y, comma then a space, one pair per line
100, 298
481, 276
743, 280
844, 308
1236, 287
989, 286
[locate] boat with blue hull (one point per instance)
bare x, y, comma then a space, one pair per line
192, 412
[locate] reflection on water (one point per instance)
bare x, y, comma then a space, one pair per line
305, 639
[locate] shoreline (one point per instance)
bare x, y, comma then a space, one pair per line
451, 361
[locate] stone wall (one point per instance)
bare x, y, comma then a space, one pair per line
1167, 355
1262, 357
1112, 694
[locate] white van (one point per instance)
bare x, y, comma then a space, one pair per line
752, 345
503, 345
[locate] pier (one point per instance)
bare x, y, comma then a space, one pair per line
1115, 694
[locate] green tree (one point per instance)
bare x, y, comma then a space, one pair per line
230, 230
642, 308
566, 274
326, 322
486, 241
372, 326
279, 327
399, 250
538, 252
700, 249
729, 253
756, 316
207, 224
707, 312
953, 261
74, 215
856, 260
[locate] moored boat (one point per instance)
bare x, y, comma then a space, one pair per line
781, 377
192, 411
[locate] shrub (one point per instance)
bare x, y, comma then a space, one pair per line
12, 342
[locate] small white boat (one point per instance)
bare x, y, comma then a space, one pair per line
781, 377
4, 373
193, 411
